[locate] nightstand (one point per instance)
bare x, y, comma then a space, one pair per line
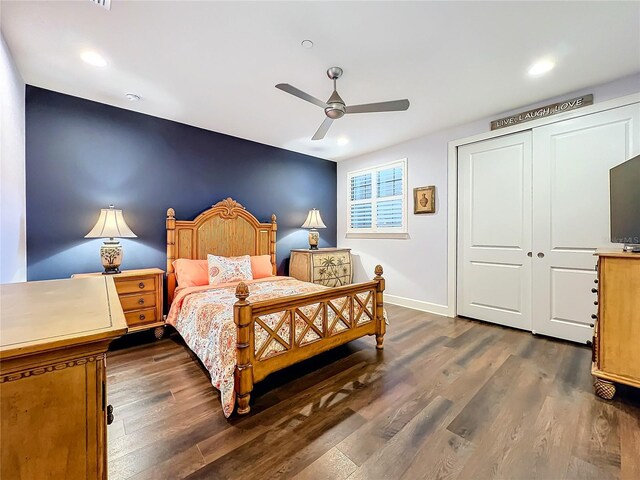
325, 266
140, 294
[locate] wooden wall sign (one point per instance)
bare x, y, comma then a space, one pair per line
542, 112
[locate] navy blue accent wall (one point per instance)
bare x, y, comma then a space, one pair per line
82, 155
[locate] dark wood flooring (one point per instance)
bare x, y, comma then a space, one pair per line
446, 399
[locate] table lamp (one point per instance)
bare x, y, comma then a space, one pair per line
313, 222
111, 225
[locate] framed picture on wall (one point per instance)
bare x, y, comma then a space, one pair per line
424, 199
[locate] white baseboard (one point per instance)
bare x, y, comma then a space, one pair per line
423, 306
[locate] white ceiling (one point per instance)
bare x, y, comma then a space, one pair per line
214, 64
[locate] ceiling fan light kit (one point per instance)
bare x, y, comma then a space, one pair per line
335, 107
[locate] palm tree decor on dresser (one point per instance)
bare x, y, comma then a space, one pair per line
334, 272
330, 267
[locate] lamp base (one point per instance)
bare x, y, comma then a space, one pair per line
109, 271
111, 256
314, 237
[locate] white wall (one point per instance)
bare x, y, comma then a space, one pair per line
416, 268
13, 249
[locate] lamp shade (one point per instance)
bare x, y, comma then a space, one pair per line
110, 224
314, 220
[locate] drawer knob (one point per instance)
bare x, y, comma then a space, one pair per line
142, 317
594, 316
109, 414
596, 302
141, 301
595, 281
594, 290
141, 285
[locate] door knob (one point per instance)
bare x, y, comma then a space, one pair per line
109, 414
540, 255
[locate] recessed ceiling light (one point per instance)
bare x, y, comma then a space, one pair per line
132, 97
93, 58
307, 44
343, 140
541, 67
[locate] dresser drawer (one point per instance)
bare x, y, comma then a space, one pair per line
136, 302
142, 284
140, 317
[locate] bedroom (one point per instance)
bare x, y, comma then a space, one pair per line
165, 109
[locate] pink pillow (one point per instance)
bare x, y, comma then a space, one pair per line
229, 269
191, 273
261, 266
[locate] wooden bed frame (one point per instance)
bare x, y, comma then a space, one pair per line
341, 314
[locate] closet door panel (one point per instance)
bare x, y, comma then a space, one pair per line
571, 214
494, 276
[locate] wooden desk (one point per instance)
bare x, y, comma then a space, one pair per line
53, 341
616, 356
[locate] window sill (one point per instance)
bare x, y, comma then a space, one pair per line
401, 236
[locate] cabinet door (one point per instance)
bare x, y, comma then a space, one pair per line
620, 319
54, 419
571, 166
494, 236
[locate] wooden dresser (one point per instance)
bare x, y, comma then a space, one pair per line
140, 293
616, 339
325, 266
53, 341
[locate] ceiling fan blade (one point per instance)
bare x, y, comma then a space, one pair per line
392, 106
324, 128
285, 87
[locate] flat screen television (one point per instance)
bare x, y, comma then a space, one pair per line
624, 187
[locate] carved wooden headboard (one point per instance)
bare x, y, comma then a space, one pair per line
226, 229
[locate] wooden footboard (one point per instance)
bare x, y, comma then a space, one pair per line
276, 333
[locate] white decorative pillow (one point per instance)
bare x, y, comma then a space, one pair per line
229, 269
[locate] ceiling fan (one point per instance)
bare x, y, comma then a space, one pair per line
335, 107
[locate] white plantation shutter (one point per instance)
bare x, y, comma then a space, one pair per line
377, 199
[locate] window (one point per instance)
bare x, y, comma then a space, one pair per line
377, 201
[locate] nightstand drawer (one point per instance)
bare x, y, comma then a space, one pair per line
143, 284
139, 317
136, 302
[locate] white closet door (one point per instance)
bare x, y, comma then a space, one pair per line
571, 214
494, 219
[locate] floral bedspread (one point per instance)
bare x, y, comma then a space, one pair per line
204, 318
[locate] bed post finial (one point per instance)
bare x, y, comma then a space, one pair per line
379, 271
381, 326
242, 291
273, 218
243, 318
